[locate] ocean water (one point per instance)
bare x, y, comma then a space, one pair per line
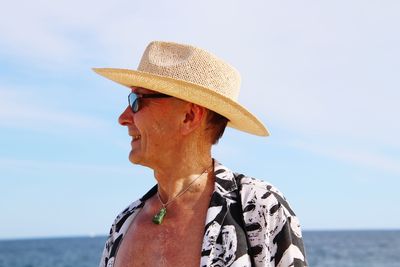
324, 249
52, 252
353, 248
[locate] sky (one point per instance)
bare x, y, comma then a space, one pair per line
322, 75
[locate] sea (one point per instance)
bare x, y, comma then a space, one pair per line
323, 248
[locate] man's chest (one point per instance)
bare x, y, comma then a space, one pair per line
175, 242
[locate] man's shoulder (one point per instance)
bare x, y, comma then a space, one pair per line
244, 182
259, 186
261, 193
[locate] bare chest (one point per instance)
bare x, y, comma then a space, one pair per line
176, 242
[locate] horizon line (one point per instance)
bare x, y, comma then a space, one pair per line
22, 238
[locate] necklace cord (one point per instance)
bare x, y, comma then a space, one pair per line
159, 217
183, 191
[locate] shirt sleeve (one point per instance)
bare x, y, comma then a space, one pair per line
103, 258
107, 247
272, 227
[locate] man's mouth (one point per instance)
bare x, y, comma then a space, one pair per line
136, 137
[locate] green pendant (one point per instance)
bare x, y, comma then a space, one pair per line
158, 218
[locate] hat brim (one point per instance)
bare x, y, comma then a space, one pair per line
239, 117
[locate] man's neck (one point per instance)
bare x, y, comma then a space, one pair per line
175, 178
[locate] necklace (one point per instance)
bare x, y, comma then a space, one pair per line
159, 217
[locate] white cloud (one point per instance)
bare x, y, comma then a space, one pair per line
361, 157
19, 110
346, 113
33, 167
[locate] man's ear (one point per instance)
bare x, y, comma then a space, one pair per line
193, 117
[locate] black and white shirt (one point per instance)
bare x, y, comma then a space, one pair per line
259, 230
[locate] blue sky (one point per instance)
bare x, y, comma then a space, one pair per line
323, 76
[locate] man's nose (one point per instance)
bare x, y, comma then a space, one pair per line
126, 117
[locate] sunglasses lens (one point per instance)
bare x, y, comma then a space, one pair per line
133, 102
136, 105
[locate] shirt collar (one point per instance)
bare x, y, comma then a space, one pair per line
224, 179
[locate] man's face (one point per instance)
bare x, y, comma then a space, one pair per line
154, 128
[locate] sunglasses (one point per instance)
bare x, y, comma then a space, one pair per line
134, 100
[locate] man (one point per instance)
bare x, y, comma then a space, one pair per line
200, 212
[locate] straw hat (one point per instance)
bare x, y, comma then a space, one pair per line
191, 74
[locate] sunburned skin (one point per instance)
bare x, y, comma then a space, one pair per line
176, 242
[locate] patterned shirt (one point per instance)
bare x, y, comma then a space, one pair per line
248, 223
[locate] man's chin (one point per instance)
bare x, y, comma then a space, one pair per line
134, 159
